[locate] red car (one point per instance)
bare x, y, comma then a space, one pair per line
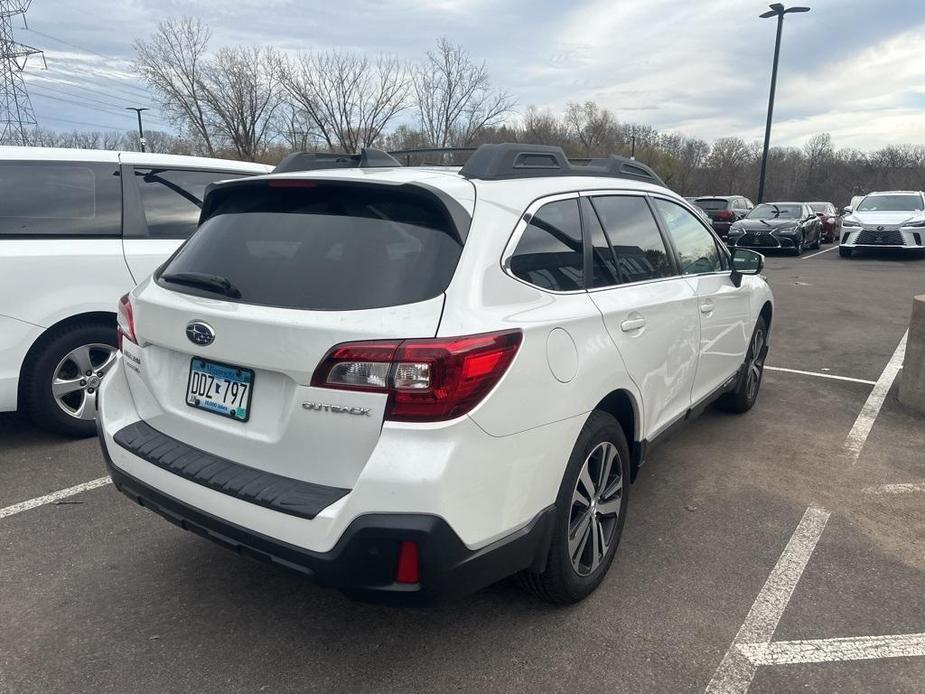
831, 221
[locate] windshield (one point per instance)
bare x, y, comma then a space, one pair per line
319, 246
711, 204
770, 210
891, 203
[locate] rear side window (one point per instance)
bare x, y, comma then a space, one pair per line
172, 199
60, 199
697, 250
322, 246
638, 248
549, 253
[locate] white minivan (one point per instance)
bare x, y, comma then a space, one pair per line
79, 228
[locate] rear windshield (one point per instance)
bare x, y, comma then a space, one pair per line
891, 203
710, 204
320, 246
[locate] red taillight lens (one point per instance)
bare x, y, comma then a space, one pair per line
428, 380
125, 321
725, 214
409, 563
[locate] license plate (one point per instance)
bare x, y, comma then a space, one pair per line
221, 389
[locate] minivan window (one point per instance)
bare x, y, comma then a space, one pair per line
634, 237
172, 199
696, 247
52, 198
321, 245
549, 253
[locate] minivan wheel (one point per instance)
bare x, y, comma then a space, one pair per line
746, 391
60, 382
590, 513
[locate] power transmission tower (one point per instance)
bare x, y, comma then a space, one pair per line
15, 106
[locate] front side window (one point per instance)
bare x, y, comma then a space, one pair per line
60, 199
549, 253
695, 245
634, 237
172, 199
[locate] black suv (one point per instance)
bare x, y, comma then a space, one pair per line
723, 210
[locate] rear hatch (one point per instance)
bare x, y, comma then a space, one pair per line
232, 328
717, 209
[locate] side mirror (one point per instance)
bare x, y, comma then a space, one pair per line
846, 210
745, 262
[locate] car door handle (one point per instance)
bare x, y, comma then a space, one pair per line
707, 307
632, 324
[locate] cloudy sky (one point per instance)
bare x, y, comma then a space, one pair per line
854, 68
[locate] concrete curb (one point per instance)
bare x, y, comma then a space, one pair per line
912, 379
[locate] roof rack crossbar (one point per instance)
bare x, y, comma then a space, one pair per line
368, 158
512, 160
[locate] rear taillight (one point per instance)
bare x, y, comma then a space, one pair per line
427, 380
725, 214
408, 569
125, 321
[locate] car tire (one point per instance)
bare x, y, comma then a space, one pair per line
576, 563
743, 397
63, 358
798, 247
845, 252
816, 245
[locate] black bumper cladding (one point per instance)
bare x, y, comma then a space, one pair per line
363, 562
283, 494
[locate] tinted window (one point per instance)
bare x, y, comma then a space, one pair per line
60, 199
820, 207
604, 272
172, 199
891, 203
633, 234
711, 204
326, 246
695, 245
549, 254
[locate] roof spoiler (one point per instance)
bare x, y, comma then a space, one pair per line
311, 161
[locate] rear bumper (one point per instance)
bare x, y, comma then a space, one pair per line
363, 562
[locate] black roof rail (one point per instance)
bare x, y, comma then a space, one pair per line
511, 160
310, 161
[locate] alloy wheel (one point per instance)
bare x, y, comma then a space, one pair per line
595, 510
755, 365
77, 378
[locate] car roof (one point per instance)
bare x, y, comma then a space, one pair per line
128, 157
782, 202
718, 197
891, 192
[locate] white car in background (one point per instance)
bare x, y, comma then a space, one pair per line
889, 219
79, 228
411, 383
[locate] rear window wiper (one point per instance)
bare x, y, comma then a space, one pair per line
203, 280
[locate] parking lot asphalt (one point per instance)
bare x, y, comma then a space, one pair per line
98, 595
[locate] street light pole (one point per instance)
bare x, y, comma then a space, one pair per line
777, 10
141, 132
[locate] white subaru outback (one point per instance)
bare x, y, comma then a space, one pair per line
409, 383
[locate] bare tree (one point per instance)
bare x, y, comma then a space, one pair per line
172, 62
241, 92
454, 97
594, 128
349, 99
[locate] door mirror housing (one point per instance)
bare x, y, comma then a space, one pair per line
847, 210
745, 262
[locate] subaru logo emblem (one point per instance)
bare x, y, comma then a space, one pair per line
200, 333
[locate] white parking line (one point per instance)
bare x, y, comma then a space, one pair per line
813, 255
53, 497
901, 488
865, 421
820, 375
834, 650
736, 671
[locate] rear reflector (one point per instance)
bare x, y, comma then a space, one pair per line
427, 380
125, 321
409, 564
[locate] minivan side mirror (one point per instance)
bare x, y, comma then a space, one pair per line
745, 262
